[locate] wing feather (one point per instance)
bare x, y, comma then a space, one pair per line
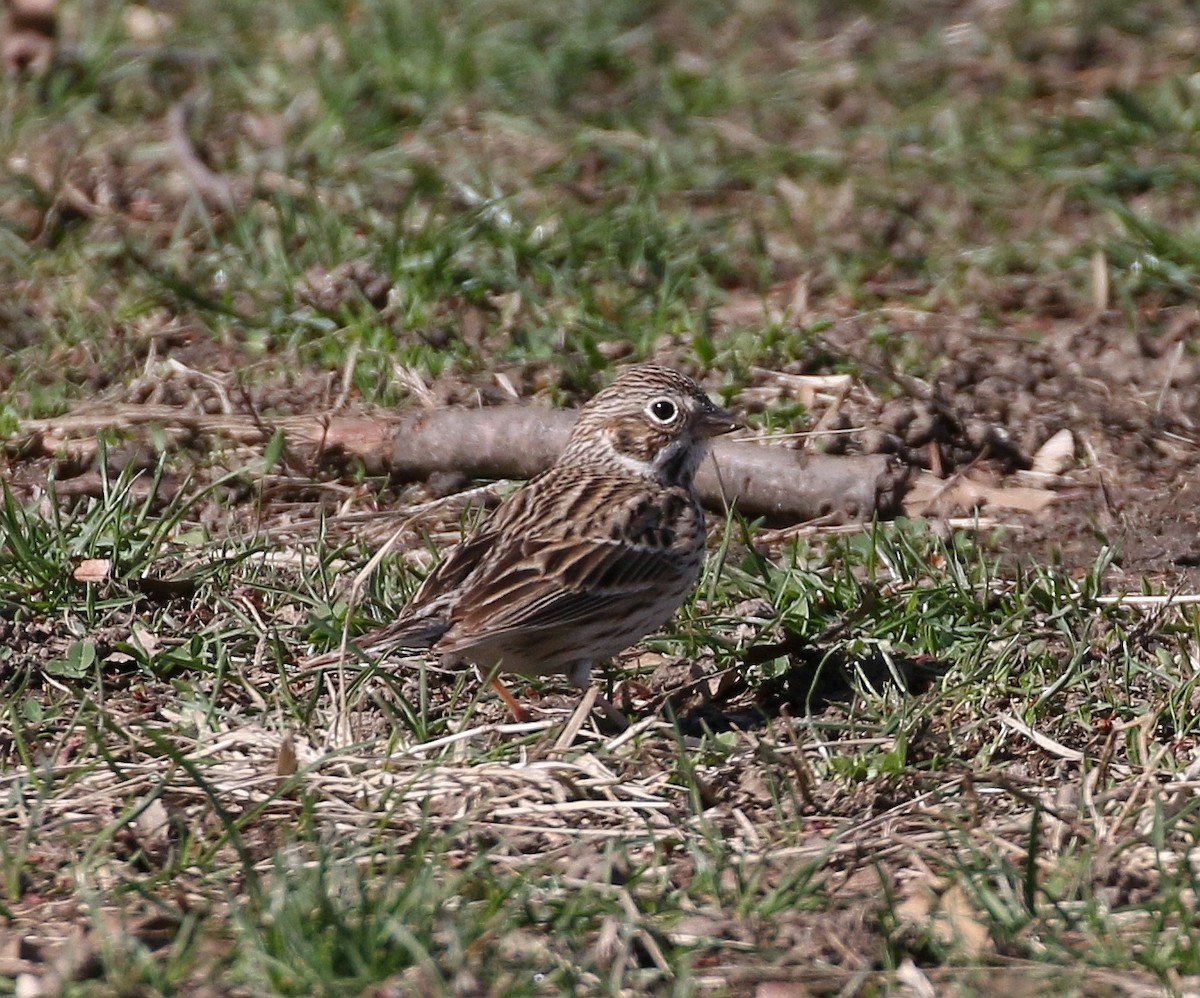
622, 543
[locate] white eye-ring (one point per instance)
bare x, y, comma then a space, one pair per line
663, 411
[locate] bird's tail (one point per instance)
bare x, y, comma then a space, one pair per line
408, 635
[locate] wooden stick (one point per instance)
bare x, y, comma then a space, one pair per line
782, 485
517, 442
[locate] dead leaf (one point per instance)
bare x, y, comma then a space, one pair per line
914, 979
928, 493
781, 989
152, 823
285, 761
949, 918
1018, 498
919, 906
146, 639
32, 986
1056, 455
963, 922
149, 27
92, 570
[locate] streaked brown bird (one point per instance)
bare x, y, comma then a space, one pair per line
589, 556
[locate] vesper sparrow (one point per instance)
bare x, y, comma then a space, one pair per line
589, 556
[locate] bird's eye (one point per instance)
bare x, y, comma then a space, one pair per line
662, 411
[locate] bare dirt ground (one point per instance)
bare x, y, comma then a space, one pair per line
1131, 404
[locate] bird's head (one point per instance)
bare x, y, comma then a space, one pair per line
651, 421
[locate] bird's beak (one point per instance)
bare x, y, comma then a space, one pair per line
716, 421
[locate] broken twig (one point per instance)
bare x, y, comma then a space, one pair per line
782, 485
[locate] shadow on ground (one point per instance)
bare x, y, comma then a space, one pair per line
813, 678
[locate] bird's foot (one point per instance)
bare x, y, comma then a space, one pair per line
612, 714
519, 713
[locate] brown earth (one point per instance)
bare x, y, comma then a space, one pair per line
1129, 398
